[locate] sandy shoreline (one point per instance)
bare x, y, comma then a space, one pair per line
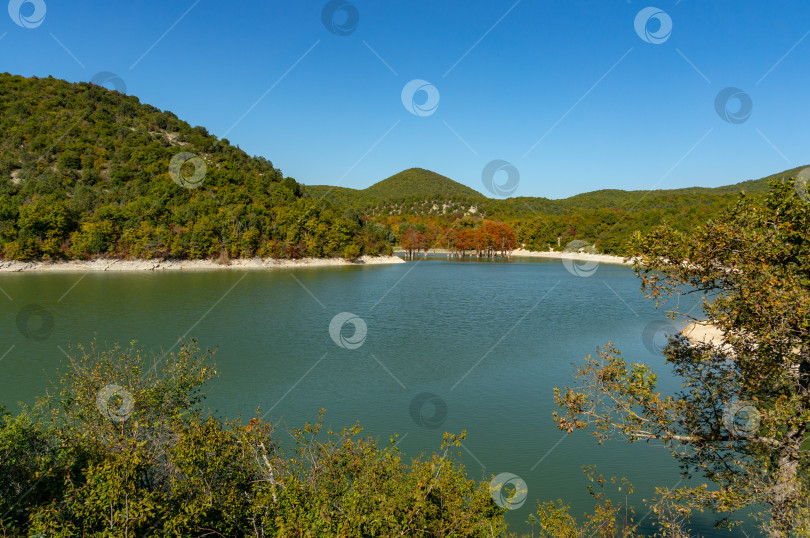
703, 332
578, 256
187, 265
9, 266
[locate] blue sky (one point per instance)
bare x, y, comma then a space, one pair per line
566, 91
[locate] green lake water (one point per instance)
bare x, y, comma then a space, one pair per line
487, 342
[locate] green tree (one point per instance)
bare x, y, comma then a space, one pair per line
741, 420
609, 519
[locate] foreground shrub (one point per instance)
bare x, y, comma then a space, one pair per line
124, 449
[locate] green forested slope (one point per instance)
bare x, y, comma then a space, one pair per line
418, 182
411, 184
606, 217
84, 172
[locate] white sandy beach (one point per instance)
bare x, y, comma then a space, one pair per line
102, 264
703, 332
521, 253
578, 256
187, 265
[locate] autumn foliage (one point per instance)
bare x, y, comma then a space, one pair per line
482, 238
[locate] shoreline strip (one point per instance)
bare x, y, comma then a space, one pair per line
100, 264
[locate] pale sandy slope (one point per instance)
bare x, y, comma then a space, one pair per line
188, 265
577, 256
702, 331
520, 253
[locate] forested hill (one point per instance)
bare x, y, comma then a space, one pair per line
606, 218
418, 182
85, 171
419, 185
409, 184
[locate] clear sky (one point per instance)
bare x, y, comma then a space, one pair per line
576, 95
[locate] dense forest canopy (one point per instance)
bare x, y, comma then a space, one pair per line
86, 172
411, 183
605, 218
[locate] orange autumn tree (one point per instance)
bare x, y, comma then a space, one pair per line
489, 239
413, 240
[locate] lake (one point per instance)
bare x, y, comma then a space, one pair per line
416, 349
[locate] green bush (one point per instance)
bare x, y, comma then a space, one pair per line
124, 450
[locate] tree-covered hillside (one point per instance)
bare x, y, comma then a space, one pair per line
87, 172
609, 218
419, 182
606, 218
412, 184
